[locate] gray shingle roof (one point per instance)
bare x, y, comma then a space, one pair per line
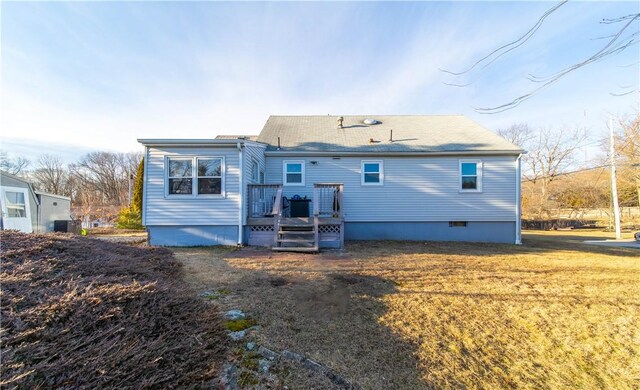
411, 133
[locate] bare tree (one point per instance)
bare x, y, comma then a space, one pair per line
625, 36
103, 177
628, 154
14, 166
519, 134
51, 175
550, 154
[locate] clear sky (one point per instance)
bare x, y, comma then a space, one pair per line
84, 76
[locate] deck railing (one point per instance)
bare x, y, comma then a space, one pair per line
328, 198
277, 214
262, 199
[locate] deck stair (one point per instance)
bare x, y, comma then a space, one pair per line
297, 235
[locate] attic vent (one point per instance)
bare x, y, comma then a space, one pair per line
370, 121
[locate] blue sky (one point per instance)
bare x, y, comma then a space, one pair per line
84, 76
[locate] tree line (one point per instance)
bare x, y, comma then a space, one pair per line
96, 179
552, 179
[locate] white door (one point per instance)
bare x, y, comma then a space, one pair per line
16, 213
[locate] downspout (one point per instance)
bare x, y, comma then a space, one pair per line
145, 168
518, 200
39, 216
144, 187
240, 163
36, 228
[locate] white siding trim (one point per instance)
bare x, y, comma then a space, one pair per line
518, 201
284, 172
144, 186
242, 192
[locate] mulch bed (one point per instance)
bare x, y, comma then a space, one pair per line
84, 313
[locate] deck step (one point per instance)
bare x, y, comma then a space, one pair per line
305, 249
297, 241
297, 232
297, 225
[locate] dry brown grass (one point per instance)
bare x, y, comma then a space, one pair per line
79, 313
553, 313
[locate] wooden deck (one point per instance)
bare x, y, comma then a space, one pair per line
292, 221
269, 221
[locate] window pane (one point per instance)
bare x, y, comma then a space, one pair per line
16, 212
469, 183
469, 169
372, 167
372, 178
209, 167
180, 186
294, 168
16, 207
254, 171
294, 177
210, 186
180, 168
14, 198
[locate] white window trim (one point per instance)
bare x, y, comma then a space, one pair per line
284, 172
166, 176
381, 166
478, 175
222, 175
194, 178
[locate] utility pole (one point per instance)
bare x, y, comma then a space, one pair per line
614, 186
130, 188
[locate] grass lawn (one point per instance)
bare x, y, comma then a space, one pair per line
552, 313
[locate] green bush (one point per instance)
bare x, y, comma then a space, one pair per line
129, 218
136, 201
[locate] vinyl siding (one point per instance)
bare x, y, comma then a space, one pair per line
252, 153
161, 210
414, 189
52, 209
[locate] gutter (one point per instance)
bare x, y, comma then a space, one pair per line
274, 153
240, 146
36, 228
52, 195
161, 142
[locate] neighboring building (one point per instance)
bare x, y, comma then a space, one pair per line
52, 208
27, 210
356, 177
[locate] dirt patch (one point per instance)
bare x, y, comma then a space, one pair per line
85, 313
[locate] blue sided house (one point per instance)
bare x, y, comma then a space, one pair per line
308, 182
